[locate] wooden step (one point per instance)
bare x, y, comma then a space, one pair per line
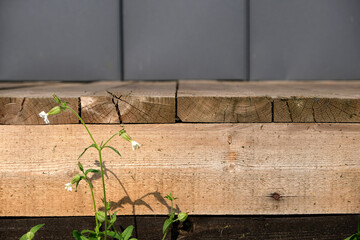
214, 169
193, 101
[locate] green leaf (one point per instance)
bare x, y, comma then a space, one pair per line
27, 236
92, 145
31, 233
79, 236
167, 224
113, 149
126, 234
352, 237
23, 237
36, 228
92, 170
87, 231
114, 235
112, 220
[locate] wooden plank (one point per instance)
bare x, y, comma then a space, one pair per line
100, 102
213, 169
321, 227
23, 105
214, 101
316, 101
131, 102
311, 101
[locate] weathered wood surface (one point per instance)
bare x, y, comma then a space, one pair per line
311, 101
195, 101
316, 101
213, 169
23, 105
97, 102
214, 101
321, 227
131, 102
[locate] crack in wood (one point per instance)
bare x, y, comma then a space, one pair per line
288, 107
22, 104
122, 100
79, 108
117, 109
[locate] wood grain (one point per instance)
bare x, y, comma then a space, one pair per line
311, 101
23, 105
195, 101
213, 169
316, 101
131, 102
214, 101
96, 102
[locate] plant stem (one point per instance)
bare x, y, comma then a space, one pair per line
83, 123
165, 234
101, 167
103, 183
93, 199
109, 139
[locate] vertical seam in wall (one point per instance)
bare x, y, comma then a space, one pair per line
121, 39
247, 40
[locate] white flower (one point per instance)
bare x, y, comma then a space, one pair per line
44, 115
135, 145
68, 186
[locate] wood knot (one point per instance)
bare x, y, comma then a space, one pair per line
276, 196
229, 140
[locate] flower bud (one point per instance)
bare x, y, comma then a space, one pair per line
54, 111
125, 136
76, 179
100, 215
56, 98
81, 166
182, 216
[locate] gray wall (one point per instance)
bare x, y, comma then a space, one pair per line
59, 39
187, 39
304, 39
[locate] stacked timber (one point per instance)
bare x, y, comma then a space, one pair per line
224, 148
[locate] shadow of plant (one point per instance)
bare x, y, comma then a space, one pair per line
135, 202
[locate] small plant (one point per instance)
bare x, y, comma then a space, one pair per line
355, 236
104, 218
182, 216
31, 234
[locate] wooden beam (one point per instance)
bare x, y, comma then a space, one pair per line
316, 101
311, 101
214, 101
131, 102
96, 102
213, 169
321, 227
